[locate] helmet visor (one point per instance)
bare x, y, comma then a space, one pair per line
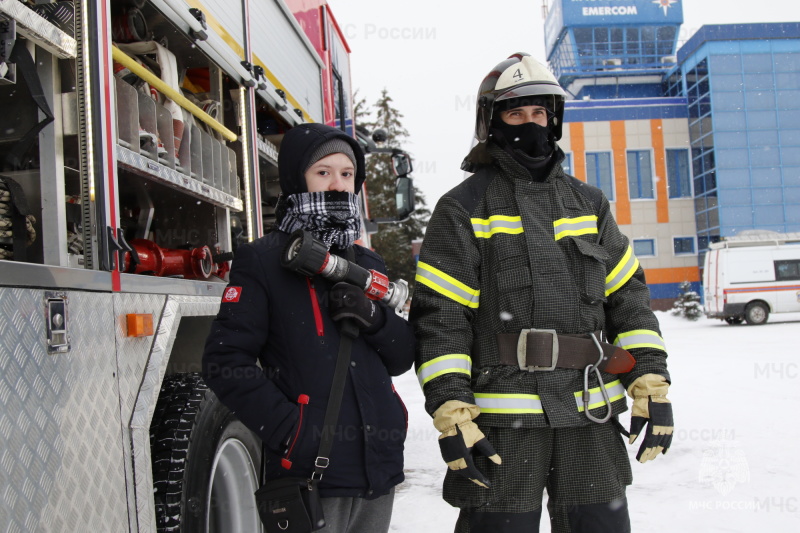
532, 89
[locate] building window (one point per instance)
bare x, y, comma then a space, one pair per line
787, 270
598, 172
683, 245
644, 247
678, 173
640, 174
566, 164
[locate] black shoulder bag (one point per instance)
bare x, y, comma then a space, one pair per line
292, 504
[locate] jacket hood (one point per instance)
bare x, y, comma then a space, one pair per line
298, 146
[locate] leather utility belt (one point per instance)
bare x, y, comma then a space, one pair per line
542, 350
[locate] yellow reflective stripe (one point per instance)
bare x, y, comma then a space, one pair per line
565, 227
640, 338
445, 364
615, 392
509, 403
486, 227
622, 272
446, 285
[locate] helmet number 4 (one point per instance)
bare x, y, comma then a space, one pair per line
518, 75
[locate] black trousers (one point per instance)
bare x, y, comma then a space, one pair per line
584, 470
591, 518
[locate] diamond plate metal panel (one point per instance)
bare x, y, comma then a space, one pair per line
61, 459
132, 356
34, 27
175, 308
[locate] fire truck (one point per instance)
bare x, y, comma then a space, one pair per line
139, 142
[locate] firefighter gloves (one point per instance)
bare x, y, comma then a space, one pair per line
461, 438
348, 301
651, 408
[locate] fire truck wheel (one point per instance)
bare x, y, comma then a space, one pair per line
756, 313
205, 462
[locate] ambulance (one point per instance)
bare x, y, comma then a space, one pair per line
748, 277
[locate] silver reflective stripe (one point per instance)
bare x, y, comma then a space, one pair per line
446, 285
565, 227
486, 227
622, 272
615, 392
640, 338
446, 364
509, 403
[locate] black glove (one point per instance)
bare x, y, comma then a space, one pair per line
457, 450
658, 435
652, 408
348, 301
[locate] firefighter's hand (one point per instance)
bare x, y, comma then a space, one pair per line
348, 301
461, 438
652, 408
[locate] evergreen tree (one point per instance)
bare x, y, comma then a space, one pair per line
688, 303
393, 240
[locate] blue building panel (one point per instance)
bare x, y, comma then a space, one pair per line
616, 12
731, 33
625, 113
625, 109
670, 290
611, 92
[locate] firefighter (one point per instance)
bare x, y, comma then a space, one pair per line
287, 323
522, 276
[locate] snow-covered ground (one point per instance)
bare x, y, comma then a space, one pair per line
733, 465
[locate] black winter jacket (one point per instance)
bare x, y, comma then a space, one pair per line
281, 320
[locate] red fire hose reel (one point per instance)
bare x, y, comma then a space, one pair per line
195, 263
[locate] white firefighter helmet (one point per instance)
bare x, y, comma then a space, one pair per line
518, 76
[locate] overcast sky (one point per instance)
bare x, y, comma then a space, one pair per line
431, 55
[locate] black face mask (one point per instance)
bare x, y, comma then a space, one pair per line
530, 138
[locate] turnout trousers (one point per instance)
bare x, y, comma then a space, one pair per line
584, 469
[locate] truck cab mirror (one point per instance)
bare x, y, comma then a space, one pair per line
404, 197
401, 164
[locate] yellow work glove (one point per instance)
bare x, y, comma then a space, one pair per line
461, 438
651, 407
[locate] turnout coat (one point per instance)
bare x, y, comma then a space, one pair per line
279, 319
503, 253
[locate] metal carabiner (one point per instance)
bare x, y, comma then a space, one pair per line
603, 390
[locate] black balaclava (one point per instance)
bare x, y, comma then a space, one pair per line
331, 216
531, 145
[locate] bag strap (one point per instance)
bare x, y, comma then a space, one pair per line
27, 66
348, 333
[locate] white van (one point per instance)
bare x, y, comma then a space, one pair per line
749, 276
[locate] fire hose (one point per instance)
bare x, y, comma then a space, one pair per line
195, 263
310, 257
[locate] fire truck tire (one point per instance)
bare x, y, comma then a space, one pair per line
205, 462
756, 313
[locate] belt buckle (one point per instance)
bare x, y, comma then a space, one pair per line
522, 350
